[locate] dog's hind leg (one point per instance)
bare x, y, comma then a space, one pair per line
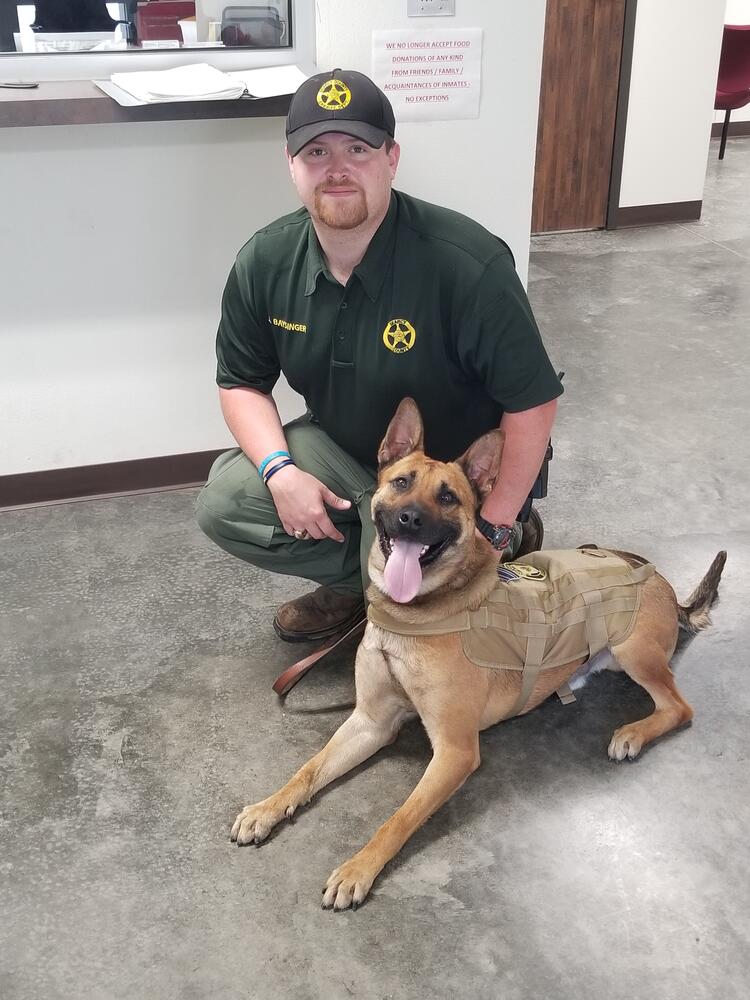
645, 655
646, 662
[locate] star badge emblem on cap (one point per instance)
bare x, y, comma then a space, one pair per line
334, 95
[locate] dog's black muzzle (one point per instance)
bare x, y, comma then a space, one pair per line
413, 524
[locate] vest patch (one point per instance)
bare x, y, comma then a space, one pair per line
508, 572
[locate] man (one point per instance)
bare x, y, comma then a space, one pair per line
362, 297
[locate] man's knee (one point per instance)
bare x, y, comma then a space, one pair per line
217, 501
208, 519
248, 533
234, 499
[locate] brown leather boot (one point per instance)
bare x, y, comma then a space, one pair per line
318, 615
533, 534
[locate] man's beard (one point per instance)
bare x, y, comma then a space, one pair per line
341, 213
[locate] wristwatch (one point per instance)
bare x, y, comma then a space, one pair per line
498, 535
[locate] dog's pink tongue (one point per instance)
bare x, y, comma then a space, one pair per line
403, 574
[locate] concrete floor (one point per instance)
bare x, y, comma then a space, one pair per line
137, 715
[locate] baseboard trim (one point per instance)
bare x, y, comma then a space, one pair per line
735, 128
649, 215
142, 475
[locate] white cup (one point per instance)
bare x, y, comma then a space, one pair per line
189, 29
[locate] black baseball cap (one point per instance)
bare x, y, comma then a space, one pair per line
340, 101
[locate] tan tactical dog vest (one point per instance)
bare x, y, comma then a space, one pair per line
553, 608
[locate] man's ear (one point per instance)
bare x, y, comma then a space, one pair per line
404, 435
481, 462
393, 157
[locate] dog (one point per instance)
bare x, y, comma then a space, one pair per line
427, 509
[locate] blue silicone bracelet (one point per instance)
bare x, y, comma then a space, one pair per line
268, 458
287, 461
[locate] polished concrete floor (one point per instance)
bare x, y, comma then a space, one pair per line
137, 715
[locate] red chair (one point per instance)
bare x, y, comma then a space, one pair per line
733, 85
157, 20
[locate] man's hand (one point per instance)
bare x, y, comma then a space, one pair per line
301, 500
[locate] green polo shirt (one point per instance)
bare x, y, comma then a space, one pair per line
435, 311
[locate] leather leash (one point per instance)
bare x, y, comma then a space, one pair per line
286, 681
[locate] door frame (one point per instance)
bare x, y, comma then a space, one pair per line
621, 115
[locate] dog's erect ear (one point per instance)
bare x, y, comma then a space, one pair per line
481, 462
405, 434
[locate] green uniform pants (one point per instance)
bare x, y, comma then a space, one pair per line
236, 510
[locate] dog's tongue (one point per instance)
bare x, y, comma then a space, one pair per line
403, 574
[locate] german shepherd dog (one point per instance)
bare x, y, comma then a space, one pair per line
400, 676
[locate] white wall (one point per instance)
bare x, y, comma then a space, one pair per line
117, 240
737, 12
673, 85
471, 165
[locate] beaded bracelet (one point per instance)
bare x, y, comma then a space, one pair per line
287, 461
268, 458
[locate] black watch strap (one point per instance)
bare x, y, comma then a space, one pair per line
498, 535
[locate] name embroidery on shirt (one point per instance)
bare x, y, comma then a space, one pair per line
399, 335
286, 325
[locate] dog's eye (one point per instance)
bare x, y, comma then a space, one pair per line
447, 498
400, 482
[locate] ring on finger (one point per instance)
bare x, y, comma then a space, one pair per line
301, 533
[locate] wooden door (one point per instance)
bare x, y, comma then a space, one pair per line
583, 42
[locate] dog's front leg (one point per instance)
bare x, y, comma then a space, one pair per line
356, 740
450, 766
374, 723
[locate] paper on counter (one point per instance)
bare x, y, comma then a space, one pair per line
271, 81
123, 98
199, 82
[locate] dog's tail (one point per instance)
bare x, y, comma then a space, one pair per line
694, 614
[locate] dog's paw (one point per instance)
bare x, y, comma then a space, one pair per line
626, 742
254, 823
349, 884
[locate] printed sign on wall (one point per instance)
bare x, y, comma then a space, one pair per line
429, 75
